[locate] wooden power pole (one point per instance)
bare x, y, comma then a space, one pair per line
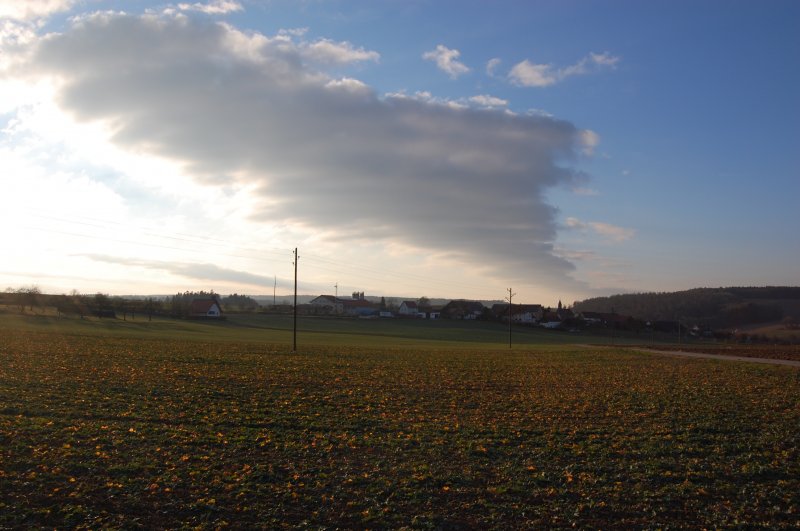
510, 296
294, 327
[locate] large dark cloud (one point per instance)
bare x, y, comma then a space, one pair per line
328, 154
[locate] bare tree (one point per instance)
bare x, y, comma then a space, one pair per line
28, 296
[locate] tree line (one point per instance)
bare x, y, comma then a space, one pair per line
30, 299
714, 307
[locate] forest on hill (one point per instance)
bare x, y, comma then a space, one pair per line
714, 307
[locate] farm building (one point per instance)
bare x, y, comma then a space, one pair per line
463, 309
358, 305
520, 313
205, 308
408, 308
328, 304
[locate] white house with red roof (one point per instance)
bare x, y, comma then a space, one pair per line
205, 308
329, 302
408, 308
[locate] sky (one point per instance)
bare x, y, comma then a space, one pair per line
407, 148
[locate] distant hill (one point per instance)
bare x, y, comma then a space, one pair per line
715, 307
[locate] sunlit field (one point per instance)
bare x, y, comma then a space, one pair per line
125, 430
277, 329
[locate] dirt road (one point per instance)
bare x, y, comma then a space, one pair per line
790, 363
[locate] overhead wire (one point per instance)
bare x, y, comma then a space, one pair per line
315, 261
383, 274
200, 240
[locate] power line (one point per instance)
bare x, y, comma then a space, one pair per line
256, 254
176, 236
381, 274
340, 266
151, 244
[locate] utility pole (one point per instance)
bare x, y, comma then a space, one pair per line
613, 324
510, 296
294, 328
337, 289
274, 289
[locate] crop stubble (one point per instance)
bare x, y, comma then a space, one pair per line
113, 432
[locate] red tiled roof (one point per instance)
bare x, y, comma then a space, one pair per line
202, 306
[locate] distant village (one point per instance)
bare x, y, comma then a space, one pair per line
361, 307
212, 306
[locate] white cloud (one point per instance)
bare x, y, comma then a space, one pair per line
14, 34
294, 32
480, 101
426, 97
484, 100
32, 9
574, 223
351, 85
590, 140
539, 112
447, 61
214, 7
606, 230
19, 22
528, 74
329, 52
292, 47
604, 59
491, 66
245, 112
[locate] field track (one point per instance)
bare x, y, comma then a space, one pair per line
705, 355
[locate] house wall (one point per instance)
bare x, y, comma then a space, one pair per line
405, 310
526, 317
321, 302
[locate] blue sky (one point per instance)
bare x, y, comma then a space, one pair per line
407, 148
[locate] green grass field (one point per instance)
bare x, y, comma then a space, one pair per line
181, 424
277, 329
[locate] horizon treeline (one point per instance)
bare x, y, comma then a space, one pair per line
724, 307
103, 305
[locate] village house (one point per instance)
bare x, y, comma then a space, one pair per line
421, 311
430, 312
520, 313
408, 308
463, 309
328, 304
592, 317
358, 305
205, 308
614, 319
